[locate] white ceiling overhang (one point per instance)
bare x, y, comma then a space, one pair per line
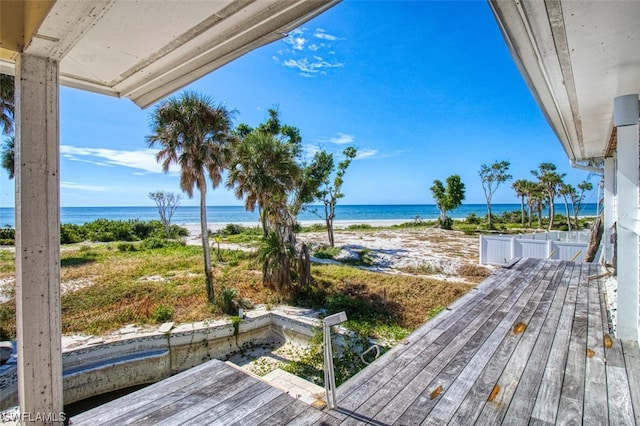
576, 57
145, 50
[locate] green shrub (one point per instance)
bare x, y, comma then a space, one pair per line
228, 300
154, 243
327, 252
123, 247
162, 314
71, 233
472, 219
359, 227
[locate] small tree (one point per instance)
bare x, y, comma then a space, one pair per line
578, 197
330, 192
167, 203
492, 176
566, 190
448, 198
549, 180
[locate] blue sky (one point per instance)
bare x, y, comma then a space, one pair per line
422, 89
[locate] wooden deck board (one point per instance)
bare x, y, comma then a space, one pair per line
495, 410
469, 409
547, 401
632, 365
411, 384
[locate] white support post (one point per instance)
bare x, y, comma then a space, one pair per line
609, 206
627, 179
38, 240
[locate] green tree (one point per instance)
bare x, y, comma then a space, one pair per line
549, 180
266, 173
520, 187
167, 203
492, 176
448, 198
537, 198
8, 156
330, 191
194, 134
578, 197
566, 190
7, 102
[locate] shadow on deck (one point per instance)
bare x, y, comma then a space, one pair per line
530, 345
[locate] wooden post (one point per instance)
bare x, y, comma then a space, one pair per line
38, 240
609, 205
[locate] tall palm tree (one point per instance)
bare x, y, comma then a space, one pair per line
8, 156
7, 93
520, 186
194, 134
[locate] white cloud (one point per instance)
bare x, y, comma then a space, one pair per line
339, 139
310, 68
83, 187
308, 57
143, 159
366, 153
322, 34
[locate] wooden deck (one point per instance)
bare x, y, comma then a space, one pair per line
530, 345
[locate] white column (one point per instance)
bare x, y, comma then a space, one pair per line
609, 206
627, 179
38, 238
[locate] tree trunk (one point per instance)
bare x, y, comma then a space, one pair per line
530, 214
594, 239
304, 266
522, 210
204, 230
489, 215
566, 210
329, 211
552, 212
539, 216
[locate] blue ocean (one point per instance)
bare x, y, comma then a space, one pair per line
237, 214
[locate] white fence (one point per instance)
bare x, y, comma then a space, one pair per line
501, 249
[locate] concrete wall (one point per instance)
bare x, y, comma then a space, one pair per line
91, 370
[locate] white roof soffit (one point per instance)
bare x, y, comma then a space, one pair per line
145, 50
576, 57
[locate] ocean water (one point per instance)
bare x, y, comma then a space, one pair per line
237, 214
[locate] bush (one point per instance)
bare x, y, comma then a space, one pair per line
154, 243
472, 219
359, 227
123, 247
327, 252
71, 233
162, 314
228, 300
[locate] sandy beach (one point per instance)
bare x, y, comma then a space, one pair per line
419, 251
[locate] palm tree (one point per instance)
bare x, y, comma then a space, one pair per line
6, 103
264, 172
549, 180
520, 186
194, 134
8, 156
537, 197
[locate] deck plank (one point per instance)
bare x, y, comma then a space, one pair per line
457, 386
595, 392
572, 394
178, 383
470, 408
377, 389
414, 393
632, 364
494, 411
260, 414
525, 394
547, 401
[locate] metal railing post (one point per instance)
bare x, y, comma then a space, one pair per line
329, 374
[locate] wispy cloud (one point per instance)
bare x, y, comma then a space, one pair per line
339, 139
306, 56
143, 159
83, 187
366, 153
323, 35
